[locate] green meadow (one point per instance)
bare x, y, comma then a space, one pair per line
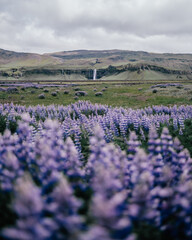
135, 96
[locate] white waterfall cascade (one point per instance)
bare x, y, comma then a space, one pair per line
95, 74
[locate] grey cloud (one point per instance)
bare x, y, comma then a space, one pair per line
54, 25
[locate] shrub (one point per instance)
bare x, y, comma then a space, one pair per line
76, 98
97, 94
155, 91
46, 90
32, 91
81, 93
41, 96
103, 90
66, 92
23, 88
54, 94
12, 90
77, 89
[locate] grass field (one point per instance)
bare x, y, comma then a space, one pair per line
135, 96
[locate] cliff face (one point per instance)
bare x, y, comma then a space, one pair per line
135, 72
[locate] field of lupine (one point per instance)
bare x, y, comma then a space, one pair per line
93, 172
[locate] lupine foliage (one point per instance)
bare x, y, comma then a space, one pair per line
91, 172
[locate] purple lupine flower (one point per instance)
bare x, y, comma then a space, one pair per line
133, 144
28, 205
108, 214
10, 169
156, 186
96, 233
63, 206
167, 144
152, 142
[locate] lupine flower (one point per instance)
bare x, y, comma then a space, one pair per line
28, 205
97, 191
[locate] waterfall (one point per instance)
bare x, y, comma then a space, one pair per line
95, 74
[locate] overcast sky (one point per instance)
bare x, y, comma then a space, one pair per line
59, 25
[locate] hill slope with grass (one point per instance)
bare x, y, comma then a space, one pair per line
110, 65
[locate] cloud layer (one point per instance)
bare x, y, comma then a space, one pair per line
57, 25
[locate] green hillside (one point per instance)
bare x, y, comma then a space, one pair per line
110, 65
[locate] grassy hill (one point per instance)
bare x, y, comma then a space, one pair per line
110, 64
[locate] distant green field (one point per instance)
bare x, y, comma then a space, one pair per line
135, 96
